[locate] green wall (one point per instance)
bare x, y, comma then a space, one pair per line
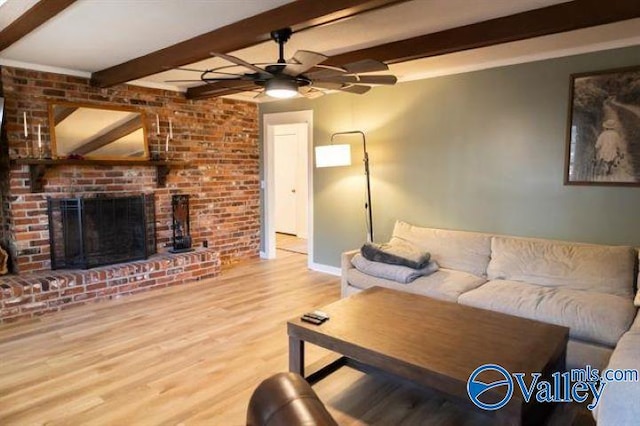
481, 151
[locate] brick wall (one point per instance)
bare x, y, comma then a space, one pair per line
216, 139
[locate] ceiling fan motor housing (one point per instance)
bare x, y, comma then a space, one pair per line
282, 35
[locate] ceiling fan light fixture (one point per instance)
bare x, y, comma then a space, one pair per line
281, 88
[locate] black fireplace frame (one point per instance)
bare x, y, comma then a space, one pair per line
78, 254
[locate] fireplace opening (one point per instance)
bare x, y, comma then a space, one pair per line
89, 232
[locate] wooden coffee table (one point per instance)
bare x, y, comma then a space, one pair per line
434, 344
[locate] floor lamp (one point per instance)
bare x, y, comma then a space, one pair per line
340, 155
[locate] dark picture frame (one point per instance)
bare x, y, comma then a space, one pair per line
603, 128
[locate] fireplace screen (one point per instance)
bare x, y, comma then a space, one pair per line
89, 232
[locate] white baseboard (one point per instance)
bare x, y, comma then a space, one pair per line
327, 269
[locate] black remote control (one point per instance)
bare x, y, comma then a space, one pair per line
311, 320
319, 315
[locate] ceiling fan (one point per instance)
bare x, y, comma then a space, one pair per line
302, 74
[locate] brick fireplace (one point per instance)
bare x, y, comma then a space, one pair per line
216, 141
86, 232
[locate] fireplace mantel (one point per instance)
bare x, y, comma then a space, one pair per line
38, 168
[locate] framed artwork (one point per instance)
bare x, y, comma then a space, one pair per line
603, 131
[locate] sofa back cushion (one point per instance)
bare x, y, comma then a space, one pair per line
603, 269
459, 250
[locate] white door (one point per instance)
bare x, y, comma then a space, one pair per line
286, 161
291, 179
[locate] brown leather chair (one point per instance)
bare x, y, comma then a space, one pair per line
286, 399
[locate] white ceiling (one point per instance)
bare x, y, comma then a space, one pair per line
91, 35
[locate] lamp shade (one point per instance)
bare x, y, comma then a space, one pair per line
333, 155
281, 88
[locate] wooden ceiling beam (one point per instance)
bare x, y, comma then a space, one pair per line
554, 19
111, 136
299, 15
39, 13
548, 20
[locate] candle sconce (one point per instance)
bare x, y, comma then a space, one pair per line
27, 148
27, 141
162, 144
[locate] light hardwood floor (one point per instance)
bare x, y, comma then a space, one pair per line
291, 243
190, 355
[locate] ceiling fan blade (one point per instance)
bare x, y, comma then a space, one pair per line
211, 80
304, 60
377, 79
310, 93
235, 87
184, 69
239, 78
237, 84
324, 74
315, 94
184, 81
366, 65
360, 90
363, 79
329, 85
230, 91
241, 62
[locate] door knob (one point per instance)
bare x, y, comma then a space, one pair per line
293, 190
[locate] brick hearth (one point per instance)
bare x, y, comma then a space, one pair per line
37, 293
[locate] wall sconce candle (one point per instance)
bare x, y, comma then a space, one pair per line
170, 129
24, 120
39, 139
157, 125
166, 145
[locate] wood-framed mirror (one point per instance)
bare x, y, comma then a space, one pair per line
97, 132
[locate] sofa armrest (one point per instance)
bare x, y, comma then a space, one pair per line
619, 402
345, 261
287, 399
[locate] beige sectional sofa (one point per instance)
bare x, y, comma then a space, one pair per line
620, 402
588, 288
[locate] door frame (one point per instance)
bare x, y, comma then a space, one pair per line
268, 121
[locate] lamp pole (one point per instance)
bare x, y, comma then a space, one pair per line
367, 206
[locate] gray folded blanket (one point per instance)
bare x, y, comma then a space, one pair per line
396, 254
398, 273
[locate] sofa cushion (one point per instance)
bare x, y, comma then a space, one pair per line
580, 354
459, 250
592, 317
603, 269
444, 284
